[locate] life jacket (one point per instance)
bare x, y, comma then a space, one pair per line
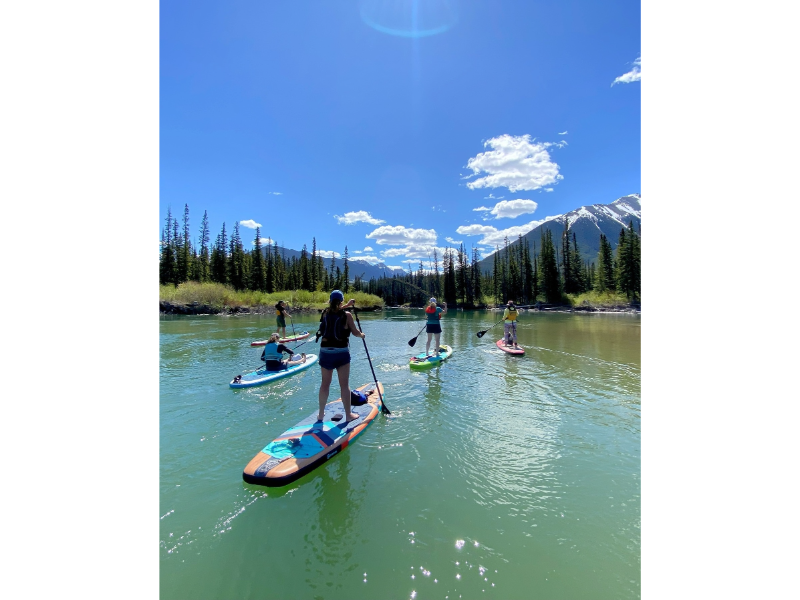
430, 312
357, 398
512, 314
333, 327
271, 352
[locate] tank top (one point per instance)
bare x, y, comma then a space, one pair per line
334, 330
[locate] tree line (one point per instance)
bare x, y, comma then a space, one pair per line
519, 272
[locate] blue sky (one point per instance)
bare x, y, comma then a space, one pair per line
396, 126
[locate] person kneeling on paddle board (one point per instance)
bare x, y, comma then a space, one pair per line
335, 327
434, 314
273, 355
510, 324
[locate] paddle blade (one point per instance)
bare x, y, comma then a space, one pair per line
480, 334
412, 341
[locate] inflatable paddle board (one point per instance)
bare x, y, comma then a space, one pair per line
291, 338
423, 361
304, 447
510, 349
262, 376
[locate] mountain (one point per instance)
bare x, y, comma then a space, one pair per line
587, 222
357, 266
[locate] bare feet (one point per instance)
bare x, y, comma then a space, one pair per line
353, 417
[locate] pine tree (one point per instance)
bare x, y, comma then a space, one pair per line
496, 276
184, 258
570, 285
535, 286
305, 271
549, 284
236, 274
437, 290
621, 270
167, 265
314, 267
258, 275
604, 276
476, 278
219, 258
528, 294
203, 258
346, 274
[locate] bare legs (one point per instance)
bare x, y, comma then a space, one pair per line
428, 344
290, 362
343, 373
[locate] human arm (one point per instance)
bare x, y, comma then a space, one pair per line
282, 348
351, 325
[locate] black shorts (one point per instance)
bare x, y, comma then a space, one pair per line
276, 365
434, 328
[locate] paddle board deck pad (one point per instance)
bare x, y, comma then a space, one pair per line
423, 361
286, 340
262, 376
304, 447
519, 351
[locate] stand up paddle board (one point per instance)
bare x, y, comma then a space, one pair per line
510, 349
291, 338
423, 361
304, 447
262, 376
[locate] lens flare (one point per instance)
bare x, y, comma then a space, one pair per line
410, 18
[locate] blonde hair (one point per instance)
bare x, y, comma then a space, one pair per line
274, 337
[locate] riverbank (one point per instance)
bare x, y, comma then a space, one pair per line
197, 308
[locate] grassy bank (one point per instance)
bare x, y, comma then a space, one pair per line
219, 296
602, 300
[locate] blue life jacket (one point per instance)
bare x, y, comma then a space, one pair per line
271, 352
333, 327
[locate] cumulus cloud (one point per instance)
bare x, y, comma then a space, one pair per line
515, 162
360, 216
482, 208
414, 251
562, 133
493, 236
548, 189
395, 235
452, 241
634, 74
367, 248
264, 241
249, 223
369, 259
328, 253
511, 209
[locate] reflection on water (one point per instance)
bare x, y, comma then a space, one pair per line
496, 475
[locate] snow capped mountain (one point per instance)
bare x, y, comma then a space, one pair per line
587, 223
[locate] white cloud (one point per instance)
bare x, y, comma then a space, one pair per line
276, 193
367, 248
548, 189
249, 223
264, 241
493, 236
634, 74
482, 208
395, 235
360, 216
562, 133
369, 259
452, 241
511, 209
515, 162
328, 253
414, 251
357, 251
493, 197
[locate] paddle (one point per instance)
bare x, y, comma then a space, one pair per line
480, 334
384, 410
292, 322
413, 340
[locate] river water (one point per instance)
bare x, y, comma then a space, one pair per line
495, 476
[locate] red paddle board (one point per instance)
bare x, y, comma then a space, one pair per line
519, 351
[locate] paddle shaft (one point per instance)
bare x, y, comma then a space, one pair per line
482, 333
413, 340
384, 409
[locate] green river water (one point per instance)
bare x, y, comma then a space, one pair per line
495, 476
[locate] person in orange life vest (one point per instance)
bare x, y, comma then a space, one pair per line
433, 313
336, 325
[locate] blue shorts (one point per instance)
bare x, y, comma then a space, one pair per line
434, 328
332, 358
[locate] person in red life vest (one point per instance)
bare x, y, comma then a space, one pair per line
434, 313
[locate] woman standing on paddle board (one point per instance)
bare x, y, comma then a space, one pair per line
510, 324
280, 310
335, 327
434, 314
